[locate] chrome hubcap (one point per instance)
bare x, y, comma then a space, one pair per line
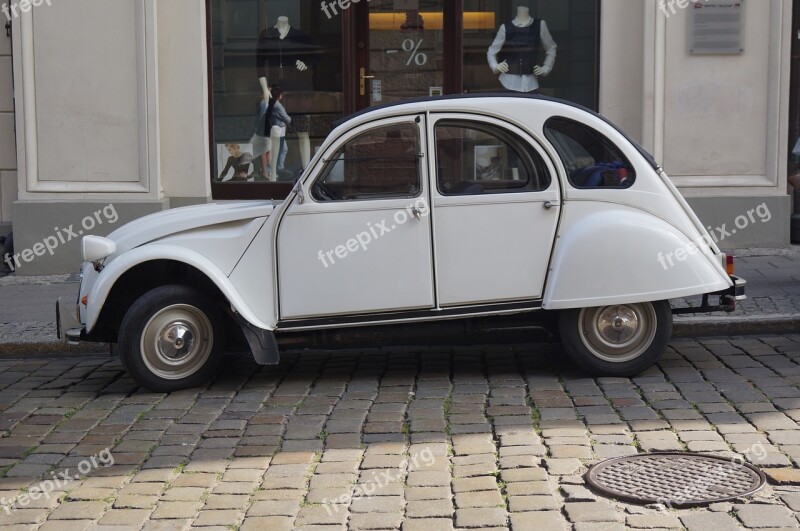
617, 324
177, 341
618, 333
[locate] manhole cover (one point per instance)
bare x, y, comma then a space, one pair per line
674, 479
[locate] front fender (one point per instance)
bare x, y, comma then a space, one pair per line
613, 254
148, 253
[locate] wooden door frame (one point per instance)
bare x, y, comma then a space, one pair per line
356, 46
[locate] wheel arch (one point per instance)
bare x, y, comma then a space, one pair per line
140, 270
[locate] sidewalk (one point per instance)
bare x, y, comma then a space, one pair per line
27, 305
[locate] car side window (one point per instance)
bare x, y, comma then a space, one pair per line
476, 158
591, 159
383, 163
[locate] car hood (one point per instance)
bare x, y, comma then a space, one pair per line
174, 221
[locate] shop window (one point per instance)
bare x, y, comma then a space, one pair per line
380, 164
258, 44
476, 159
548, 47
591, 159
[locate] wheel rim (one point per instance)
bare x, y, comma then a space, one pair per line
620, 333
177, 341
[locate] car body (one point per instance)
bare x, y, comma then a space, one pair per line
424, 211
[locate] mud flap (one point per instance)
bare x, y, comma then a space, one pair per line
262, 343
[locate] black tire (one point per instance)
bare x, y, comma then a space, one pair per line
620, 340
158, 338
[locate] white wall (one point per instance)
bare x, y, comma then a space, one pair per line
8, 155
86, 106
718, 123
717, 105
183, 99
622, 63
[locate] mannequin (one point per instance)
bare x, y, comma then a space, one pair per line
278, 46
520, 40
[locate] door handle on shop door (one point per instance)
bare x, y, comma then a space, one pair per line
363, 81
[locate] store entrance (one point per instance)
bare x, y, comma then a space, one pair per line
403, 51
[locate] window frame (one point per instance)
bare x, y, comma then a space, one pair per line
548, 129
517, 142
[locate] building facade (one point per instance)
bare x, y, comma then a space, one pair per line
136, 106
8, 152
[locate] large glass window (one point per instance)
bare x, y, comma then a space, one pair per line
529, 45
380, 164
284, 46
475, 159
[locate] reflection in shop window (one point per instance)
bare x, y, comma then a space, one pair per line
477, 159
548, 47
263, 134
380, 164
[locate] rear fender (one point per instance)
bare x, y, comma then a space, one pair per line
613, 254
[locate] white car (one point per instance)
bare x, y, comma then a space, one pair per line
469, 207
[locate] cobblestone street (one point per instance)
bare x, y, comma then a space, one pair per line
415, 439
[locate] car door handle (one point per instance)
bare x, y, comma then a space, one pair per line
551, 204
417, 213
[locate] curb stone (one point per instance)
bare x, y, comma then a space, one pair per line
684, 327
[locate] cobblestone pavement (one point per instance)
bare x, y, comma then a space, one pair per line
433, 439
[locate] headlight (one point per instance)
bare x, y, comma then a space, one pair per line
95, 248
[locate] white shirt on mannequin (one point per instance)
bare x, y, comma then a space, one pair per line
526, 83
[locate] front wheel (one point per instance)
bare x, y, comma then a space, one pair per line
171, 338
619, 340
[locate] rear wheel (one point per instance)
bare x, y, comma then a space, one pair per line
171, 338
619, 340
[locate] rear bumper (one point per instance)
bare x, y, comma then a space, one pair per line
727, 299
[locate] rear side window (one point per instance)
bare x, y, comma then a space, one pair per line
591, 159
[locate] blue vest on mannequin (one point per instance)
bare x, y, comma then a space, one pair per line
522, 47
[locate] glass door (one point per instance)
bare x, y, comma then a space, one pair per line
401, 51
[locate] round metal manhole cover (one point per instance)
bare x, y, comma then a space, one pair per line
674, 479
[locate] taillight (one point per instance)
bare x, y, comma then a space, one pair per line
729, 265
85, 300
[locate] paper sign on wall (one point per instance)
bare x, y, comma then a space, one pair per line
377, 90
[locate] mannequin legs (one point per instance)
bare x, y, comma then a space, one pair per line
264, 166
305, 148
275, 150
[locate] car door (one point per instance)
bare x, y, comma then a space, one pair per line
360, 241
495, 211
